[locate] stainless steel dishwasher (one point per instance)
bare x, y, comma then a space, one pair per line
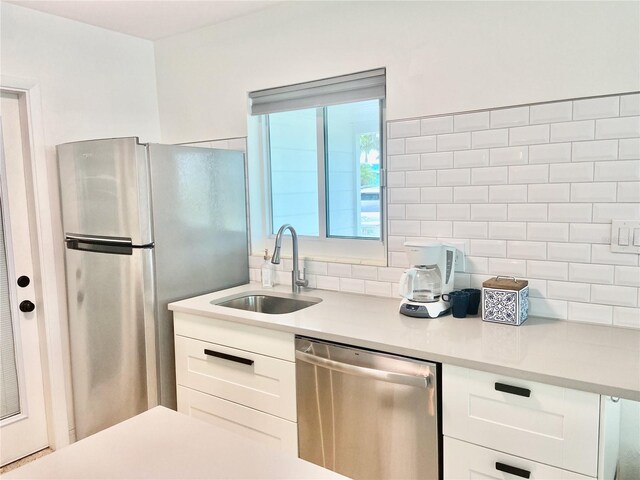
367, 415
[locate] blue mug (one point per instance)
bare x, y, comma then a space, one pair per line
459, 301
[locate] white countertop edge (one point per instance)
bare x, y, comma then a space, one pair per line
294, 323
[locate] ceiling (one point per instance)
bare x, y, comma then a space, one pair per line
150, 19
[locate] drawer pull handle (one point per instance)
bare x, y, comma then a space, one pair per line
226, 356
520, 472
503, 387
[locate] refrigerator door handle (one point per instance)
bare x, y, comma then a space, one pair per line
115, 241
96, 243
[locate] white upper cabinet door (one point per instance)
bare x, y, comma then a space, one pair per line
553, 425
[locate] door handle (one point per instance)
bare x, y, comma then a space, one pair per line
27, 306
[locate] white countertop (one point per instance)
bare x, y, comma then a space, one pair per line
163, 444
588, 357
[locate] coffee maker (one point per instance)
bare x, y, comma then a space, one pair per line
431, 276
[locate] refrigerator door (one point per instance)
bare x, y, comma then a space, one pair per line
200, 233
111, 333
104, 188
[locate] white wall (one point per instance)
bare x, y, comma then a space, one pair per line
93, 83
441, 57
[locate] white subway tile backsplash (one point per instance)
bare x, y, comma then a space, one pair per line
603, 254
436, 125
595, 150
396, 212
395, 179
398, 259
408, 128
601, 107
527, 250
436, 195
626, 317
550, 153
477, 265
505, 266
529, 135
605, 212
590, 313
366, 272
490, 138
467, 122
327, 283
471, 158
548, 232
537, 288
507, 193
389, 274
509, 156
571, 172
382, 289
404, 227
551, 112
436, 161
420, 144
629, 149
470, 230
527, 212
544, 307
436, 228
455, 176
403, 162
529, 174
623, 127
396, 243
594, 192
573, 131
629, 192
576, 292
510, 117
339, 269
570, 212
548, 270
630, 104
569, 252
507, 230
614, 295
454, 141
629, 276
589, 232
395, 146
404, 195
453, 212
545, 192
489, 212
471, 194
422, 178
589, 273
622, 170
352, 285
488, 248
422, 211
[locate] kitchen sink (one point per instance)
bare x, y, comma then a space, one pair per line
270, 304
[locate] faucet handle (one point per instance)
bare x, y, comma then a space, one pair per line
301, 281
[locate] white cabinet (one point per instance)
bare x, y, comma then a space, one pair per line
547, 424
237, 376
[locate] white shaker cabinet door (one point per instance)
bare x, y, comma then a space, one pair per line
463, 460
548, 424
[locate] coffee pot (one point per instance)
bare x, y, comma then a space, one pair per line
421, 283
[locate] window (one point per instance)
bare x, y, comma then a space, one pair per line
321, 149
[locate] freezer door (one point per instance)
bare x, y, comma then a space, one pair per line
112, 337
200, 232
104, 188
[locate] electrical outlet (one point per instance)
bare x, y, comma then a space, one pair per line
625, 236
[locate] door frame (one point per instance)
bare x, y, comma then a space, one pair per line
53, 311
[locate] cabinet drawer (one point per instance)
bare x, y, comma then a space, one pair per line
259, 426
267, 384
553, 425
237, 335
464, 460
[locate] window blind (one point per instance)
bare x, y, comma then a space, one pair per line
356, 87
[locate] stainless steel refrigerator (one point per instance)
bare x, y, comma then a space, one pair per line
144, 225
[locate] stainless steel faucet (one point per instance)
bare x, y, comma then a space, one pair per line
297, 281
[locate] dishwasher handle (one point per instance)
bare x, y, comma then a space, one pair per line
385, 376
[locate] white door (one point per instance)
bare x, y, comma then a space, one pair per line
23, 425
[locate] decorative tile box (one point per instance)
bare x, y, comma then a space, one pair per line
505, 300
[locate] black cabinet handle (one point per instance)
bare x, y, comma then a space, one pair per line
519, 472
27, 306
226, 356
503, 387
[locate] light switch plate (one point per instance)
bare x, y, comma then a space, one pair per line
625, 236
